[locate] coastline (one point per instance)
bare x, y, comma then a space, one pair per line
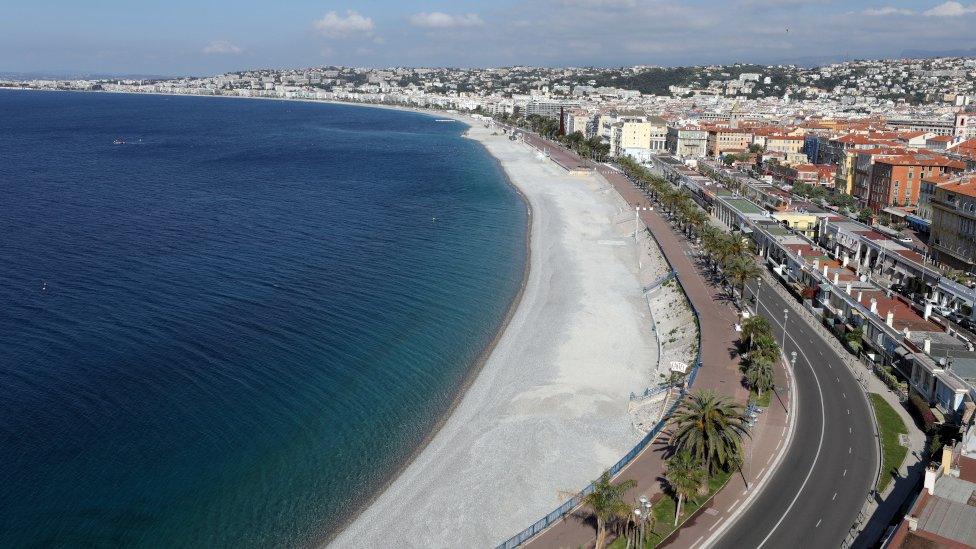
468, 464
476, 367
601, 452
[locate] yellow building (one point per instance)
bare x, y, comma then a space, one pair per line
789, 144
805, 223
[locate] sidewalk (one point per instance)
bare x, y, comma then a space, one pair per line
719, 372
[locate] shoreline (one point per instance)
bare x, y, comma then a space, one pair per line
477, 366
474, 370
604, 452
593, 420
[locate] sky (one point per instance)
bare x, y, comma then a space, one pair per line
203, 37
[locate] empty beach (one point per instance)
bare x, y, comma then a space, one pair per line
548, 411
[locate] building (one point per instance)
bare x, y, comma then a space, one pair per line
788, 144
896, 180
639, 139
687, 142
953, 207
549, 108
943, 515
579, 121
723, 139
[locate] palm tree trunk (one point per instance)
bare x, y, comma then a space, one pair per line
677, 512
601, 533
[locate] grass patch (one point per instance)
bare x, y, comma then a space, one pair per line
761, 401
890, 426
663, 512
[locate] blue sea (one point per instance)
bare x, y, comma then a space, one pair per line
233, 329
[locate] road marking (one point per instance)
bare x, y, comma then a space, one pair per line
845, 395
848, 411
770, 459
698, 540
837, 379
835, 497
816, 458
850, 430
761, 472
849, 449
734, 503
784, 431
829, 366
818, 523
845, 473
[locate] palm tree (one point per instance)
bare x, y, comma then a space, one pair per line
710, 427
607, 503
741, 269
685, 476
759, 374
755, 326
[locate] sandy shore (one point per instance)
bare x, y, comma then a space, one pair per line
548, 411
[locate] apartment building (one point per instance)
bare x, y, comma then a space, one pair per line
897, 180
953, 205
724, 139
639, 139
687, 142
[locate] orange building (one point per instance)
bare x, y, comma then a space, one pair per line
896, 180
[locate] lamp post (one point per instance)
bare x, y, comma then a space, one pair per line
786, 315
758, 287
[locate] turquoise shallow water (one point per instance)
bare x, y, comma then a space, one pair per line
231, 330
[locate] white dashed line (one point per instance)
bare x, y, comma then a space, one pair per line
849, 448
818, 523
845, 395
770, 459
712, 526
835, 497
736, 502
845, 473
698, 540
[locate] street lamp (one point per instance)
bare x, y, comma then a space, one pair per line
758, 287
786, 315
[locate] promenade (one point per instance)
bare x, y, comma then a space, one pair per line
719, 372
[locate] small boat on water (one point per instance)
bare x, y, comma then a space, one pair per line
444, 120
118, 142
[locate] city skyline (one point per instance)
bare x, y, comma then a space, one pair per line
184, 38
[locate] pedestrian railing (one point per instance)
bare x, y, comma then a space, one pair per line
659, 281
648, 393
566, 508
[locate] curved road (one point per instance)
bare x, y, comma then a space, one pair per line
818, 490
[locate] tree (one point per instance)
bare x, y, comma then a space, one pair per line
754, 326
606, 501
854, 338
759, 374
685, 476
740, 270
710, 427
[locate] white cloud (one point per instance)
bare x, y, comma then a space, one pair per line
335, 25
887, 10
222, 47
440, 20
950, 9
